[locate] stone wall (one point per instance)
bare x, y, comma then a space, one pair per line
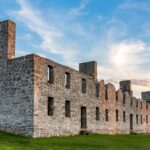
128, 105
16, 96
24, 92
58, 124
16, 84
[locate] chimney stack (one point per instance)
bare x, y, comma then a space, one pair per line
7, 39
89, 68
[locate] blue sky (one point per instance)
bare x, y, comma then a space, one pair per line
115, 33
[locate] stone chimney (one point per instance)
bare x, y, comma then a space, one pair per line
146, 96
89, 68
125, 86
7, 40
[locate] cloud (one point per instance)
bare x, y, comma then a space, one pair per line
125, 59
49, 35
141, 82
26, 36
116, 41
128, 54
133, 4
123, 50
78, 10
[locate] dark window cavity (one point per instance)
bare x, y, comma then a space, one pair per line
50, 106
146, 118
124, 116
137, 119
117, 115
67, 109
83, 86
67, 80
50, 74
97, 113
137, 103
106, 93
106, 115
141, 119
97, 89
124, 99
116, 96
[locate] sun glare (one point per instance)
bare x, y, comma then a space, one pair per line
119, 58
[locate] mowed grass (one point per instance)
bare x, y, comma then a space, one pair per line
90, 142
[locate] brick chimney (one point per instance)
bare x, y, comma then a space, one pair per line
7, 39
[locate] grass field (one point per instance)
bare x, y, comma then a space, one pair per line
90, 142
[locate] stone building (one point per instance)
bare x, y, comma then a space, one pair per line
39, 97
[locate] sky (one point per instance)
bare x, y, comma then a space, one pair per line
115, 33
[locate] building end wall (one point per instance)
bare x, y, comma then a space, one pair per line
17, 95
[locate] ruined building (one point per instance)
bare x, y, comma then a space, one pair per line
39, 97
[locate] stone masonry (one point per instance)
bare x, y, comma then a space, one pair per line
41, 98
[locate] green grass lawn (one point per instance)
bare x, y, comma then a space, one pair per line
90, 142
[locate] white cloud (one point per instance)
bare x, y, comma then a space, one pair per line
50, 35
78, 10
26, 36
128, 54
124, 62
120, 55
134, 4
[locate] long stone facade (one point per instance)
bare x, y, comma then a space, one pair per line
41, 98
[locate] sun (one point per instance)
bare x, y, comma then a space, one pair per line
119, 58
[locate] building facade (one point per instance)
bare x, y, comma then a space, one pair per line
41, 98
